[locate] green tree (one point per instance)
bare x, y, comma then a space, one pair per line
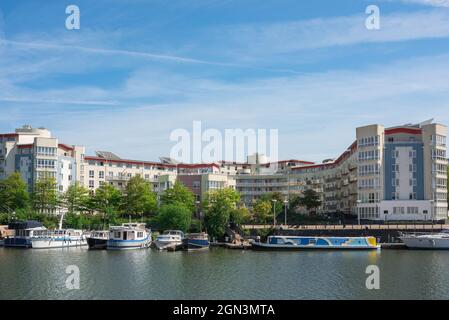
139, 199
310, 200
240, 215
76, 199
13, 193
262, 211
179, 195
174, 217
218, 206
45, 196
107, 200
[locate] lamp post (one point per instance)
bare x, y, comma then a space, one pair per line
358, 211
197, 214
285, 213
274, 212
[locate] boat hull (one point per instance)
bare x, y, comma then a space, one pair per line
54, 243
167, 245
97, 244
426, 243
266, 246
317, 243
17, 243
129, 244
196, 244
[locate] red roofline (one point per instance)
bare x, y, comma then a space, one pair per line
88, 158
199, 165
403, 130
25, 146
65, 147
9, 135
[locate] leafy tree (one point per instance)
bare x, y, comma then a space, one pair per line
262, 211
218, 206
179, 195
45, 196
278, 203
240, 215
107, 200
174, 217
76, 198
139, 198
310, 200
13, 193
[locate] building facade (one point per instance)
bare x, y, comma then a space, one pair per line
387, 174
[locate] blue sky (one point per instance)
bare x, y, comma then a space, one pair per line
136, 70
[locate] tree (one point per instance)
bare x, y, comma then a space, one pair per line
310, 200
139, 198
13, 193
179, 195
76, 198
45, 196
240, 215
262, 211
107, 200
174, 217
218, 206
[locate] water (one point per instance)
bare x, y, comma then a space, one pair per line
222, 274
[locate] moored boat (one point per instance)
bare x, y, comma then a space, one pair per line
438, 241
169, 240
24, 231
317, 243
196, 241
98, 240
129, 236
62, 238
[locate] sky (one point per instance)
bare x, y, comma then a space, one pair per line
138, 69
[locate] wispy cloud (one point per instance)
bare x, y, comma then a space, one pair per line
433, 3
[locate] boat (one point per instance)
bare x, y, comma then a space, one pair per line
433, 241
196, 241
170, 239
317, 243
129, 236
24, 231
61, 238
98, 240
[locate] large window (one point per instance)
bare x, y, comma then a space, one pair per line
369, 155
46, 151
438, 154
438, 140
45, 164
368, 141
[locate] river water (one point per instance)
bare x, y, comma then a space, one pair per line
222, 274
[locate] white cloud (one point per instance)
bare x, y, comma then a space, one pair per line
433, 3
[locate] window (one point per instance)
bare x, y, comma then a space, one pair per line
45, 164
412, 167
91, 184
395, 183
438, 154
46, 151
438, 140
368, 141
412, 154
101, 174
91, 174
196, 184
70, 177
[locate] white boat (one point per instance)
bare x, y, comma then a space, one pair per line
64, 238
169, 239
129, 236
24, 231
436, 241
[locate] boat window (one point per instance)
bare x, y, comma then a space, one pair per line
117, 234
140, 234
312, 241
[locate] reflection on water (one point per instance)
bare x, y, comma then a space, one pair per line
222, 274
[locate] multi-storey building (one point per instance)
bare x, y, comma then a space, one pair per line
35, 154
387, 174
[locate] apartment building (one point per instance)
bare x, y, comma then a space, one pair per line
386, 174
36, 154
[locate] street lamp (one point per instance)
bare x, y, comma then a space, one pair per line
274, 212
358, 211
198, 215
285, 214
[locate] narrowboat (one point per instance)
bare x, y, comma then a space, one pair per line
98, 240
196, 241
438, 241
317, 243
62, 238
24, 231
170, 239
129, 236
